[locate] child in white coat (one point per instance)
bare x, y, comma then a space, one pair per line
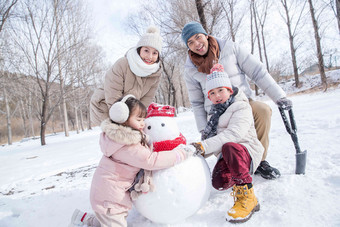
125, 153
230, 135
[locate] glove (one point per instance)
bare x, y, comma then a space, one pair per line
199, 148
284, 103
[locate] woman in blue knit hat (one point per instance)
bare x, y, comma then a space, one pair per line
206, 50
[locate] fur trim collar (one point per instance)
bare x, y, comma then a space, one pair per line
120, 134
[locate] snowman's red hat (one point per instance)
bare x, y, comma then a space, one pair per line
155, 110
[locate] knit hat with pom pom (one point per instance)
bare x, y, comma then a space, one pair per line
218, 78
151, 38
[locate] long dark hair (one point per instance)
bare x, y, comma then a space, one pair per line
135, 105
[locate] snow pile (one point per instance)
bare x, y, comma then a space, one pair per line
309, 81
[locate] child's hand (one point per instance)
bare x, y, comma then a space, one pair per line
199, 148
183, 152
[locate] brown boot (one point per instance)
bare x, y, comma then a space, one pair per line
245, 204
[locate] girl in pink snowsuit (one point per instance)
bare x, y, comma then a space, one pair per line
125, 153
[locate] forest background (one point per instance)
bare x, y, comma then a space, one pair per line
51, 60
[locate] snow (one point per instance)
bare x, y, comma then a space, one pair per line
180, 191
42, 185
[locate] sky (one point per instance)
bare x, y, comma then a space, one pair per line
108, 16
42, 185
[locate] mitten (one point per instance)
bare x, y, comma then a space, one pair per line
144, 185
199, 148
147, 184
284, 103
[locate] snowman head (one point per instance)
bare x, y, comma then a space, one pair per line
160, 123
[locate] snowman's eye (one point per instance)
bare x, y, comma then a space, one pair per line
163, 124
149, 127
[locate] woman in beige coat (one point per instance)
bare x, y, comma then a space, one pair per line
137, 73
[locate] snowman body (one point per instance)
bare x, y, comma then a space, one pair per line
179, 191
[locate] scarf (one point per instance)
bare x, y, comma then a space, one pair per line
216, 111
138, 66
168, 145
206, 62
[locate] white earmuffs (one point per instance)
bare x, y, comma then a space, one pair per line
119, 111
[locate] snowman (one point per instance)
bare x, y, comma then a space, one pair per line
178, 192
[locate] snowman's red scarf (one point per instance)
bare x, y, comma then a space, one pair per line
168, 145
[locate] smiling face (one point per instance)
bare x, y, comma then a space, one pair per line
198, 44
149, 55
219, 95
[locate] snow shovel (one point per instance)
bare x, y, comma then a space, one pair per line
301, 157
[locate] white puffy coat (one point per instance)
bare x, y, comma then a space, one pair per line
237, 63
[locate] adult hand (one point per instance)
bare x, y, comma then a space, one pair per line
285, 103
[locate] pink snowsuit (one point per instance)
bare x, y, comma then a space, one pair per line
123, 157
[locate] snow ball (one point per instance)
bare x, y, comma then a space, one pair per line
180, 191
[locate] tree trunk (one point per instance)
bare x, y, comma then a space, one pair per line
76, 119
291, 42
23, 116
318, 46
200, 11
251, 27
337, 5
265, 50
8, 117
30, 114
43, 121
258, 44
89, 125
62, 93
81, 120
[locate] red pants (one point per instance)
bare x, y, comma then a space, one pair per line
232, 168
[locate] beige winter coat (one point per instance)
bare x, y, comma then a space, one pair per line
120, 81
236, 125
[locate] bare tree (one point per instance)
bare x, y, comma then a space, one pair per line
234, 17
337, 5
321, 64
201, 15
261, 11
8, 117
59, 10
37, 46
6, 7
292, 32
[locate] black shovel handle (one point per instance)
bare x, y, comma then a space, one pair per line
291, 127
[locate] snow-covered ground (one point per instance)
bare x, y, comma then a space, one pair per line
40, 186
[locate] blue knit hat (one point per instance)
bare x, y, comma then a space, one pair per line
190, 29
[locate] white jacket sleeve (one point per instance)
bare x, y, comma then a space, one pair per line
196, 97
258, 73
